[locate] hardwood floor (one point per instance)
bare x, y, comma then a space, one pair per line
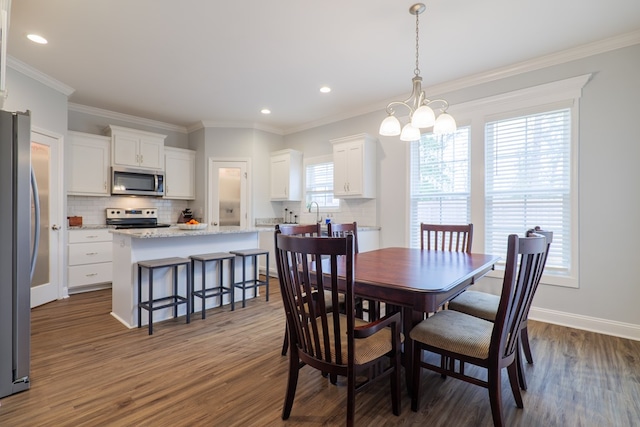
89, 370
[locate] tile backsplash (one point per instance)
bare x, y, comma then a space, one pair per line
92, 209
361, 210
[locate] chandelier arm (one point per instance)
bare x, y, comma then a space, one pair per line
391, 111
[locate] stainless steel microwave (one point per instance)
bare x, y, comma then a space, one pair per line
137, 182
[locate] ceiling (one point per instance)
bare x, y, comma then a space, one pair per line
182, 62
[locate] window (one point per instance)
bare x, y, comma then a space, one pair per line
439, 181
527, 181
511, 167
319, 183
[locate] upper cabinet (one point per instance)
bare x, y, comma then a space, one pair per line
135, 148
179, 173
286, 175
87, 164
354, 167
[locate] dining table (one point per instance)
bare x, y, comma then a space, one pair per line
418, 281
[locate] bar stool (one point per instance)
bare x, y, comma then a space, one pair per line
218, 290
168, 301
255, 282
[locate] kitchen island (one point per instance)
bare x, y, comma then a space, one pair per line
133, 245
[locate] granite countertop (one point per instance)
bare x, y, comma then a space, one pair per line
91, 227
272, 227
174, 231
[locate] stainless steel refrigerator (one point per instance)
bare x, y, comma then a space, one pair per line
17, 244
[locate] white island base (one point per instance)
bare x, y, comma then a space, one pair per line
131, 246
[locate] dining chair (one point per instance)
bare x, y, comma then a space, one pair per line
460, 337
370, 307
446, 237
308, 230
485, 306
322, 337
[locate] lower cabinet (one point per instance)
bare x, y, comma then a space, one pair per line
90, 259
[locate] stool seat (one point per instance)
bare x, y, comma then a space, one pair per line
255, 282
173, 300
218, 290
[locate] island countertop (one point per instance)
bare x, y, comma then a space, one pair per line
174, 231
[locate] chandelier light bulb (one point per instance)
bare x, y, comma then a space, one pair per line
423, 117
409, 133
390, 126
445, 123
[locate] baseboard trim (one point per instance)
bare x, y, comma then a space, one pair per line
587, 323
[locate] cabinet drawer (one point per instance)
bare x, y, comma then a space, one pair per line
89, 253
86, 236
89, 274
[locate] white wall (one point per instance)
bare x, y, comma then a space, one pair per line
609, 199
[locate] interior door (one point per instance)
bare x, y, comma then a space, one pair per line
45, 162
228, 193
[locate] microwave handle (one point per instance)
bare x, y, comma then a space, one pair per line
155, 176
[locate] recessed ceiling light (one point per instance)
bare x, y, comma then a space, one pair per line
37, 39
325, 89
265, 111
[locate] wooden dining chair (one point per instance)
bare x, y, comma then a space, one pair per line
460, 337
446, 237
370, 307
308, 230
485, 306
322, 337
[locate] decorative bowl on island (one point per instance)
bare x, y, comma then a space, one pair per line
186, 226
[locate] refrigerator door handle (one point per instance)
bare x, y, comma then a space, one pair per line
36, 234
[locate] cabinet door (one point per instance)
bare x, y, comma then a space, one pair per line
179, 174
87, 165
125, 151
355, 169
280, 177
151, 153
340, 173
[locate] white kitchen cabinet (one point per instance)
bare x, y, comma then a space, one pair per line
266, 241
87, 164
286, 175
354, 167
179, 173
136, 148
90, 258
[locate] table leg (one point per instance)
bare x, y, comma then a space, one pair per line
410, 318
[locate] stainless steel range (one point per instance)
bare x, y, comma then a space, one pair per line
133, 218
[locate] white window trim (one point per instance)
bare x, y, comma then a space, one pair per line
311, 161
476, 113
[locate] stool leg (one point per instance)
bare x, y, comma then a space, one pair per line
139, 296
203, 287
244, 282
266, 275
150, 281
188, 290
232, 262
175, 290
220, 266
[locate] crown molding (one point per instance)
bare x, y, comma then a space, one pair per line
79, 108
557, 58
237, 125
39, 76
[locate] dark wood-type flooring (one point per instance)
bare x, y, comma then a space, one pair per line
89, 370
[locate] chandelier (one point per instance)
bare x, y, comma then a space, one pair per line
421, 109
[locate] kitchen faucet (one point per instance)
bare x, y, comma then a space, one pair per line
317, 211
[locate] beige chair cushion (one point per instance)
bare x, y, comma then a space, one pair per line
366, 349
479, 304
456, 332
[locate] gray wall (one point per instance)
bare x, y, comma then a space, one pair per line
609, 200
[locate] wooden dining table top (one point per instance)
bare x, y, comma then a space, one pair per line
416, 278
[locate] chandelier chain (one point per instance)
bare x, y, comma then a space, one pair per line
417, 70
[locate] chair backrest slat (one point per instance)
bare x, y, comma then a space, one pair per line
341, 230
446, 237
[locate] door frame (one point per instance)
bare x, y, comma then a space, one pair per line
57, 202
207, 195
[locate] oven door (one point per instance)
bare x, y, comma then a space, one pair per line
137, 182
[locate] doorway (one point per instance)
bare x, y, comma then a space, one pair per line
45, 161
228, 193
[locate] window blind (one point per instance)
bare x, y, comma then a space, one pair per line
319, 185
439, 176
527, 181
